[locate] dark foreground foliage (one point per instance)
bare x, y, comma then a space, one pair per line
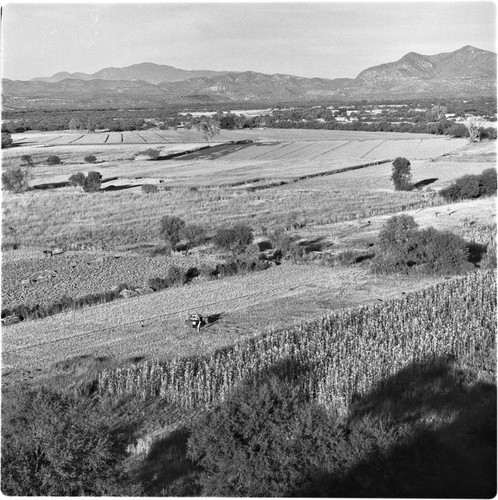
55, 446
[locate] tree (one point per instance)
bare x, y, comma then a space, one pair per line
208, 128
74, 124
401, 174
92, 182
6, 139
436, 113
473, 125
90, 159
77, 179
53, 160
16, 179
170, 227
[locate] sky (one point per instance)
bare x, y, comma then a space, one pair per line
312, 39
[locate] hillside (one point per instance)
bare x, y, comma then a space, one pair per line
465, 72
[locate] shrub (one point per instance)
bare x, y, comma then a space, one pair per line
402, 246
53, 446
152, 153
6, 139
235, 238
176, 276
158, 283
77, 179
92, 182
471, 186
194, 234
488, 182
16, 179
401, 174
53, 160
90, 159
149, 188
264, 441
170, 227
27, 160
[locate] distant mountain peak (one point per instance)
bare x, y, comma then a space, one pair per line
468, 71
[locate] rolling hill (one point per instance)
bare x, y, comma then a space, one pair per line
468, 71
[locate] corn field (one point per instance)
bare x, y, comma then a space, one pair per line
343, 354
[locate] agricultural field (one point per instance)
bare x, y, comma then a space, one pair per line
320, 317
153, 325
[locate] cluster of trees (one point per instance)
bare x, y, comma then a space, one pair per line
403, 247
471, 186
90, 183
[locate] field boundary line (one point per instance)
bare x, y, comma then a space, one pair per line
295, 151
332, 149
370, 150
266, 152
77, 139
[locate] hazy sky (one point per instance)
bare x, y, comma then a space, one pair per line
328, 39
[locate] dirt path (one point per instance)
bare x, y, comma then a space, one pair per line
153, 325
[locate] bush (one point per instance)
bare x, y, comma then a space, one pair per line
264, 441
16, 179
471, 186
77, 179
92, 182
176, 276
158, 283
90, 159
488, 182
401, 174
27, 160
152, 153
6, 139
149, 188
194, 234
402, 246
53, 160
53, 446
170, 227
235, 238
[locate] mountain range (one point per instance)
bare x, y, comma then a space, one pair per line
468, 71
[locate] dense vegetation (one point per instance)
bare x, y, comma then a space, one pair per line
405, 248
472, 186
398, 116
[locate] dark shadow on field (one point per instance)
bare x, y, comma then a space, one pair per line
212, 152
112, 187
166, 471
314, 245
213, 318
435, 428
476, 252
424, 182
